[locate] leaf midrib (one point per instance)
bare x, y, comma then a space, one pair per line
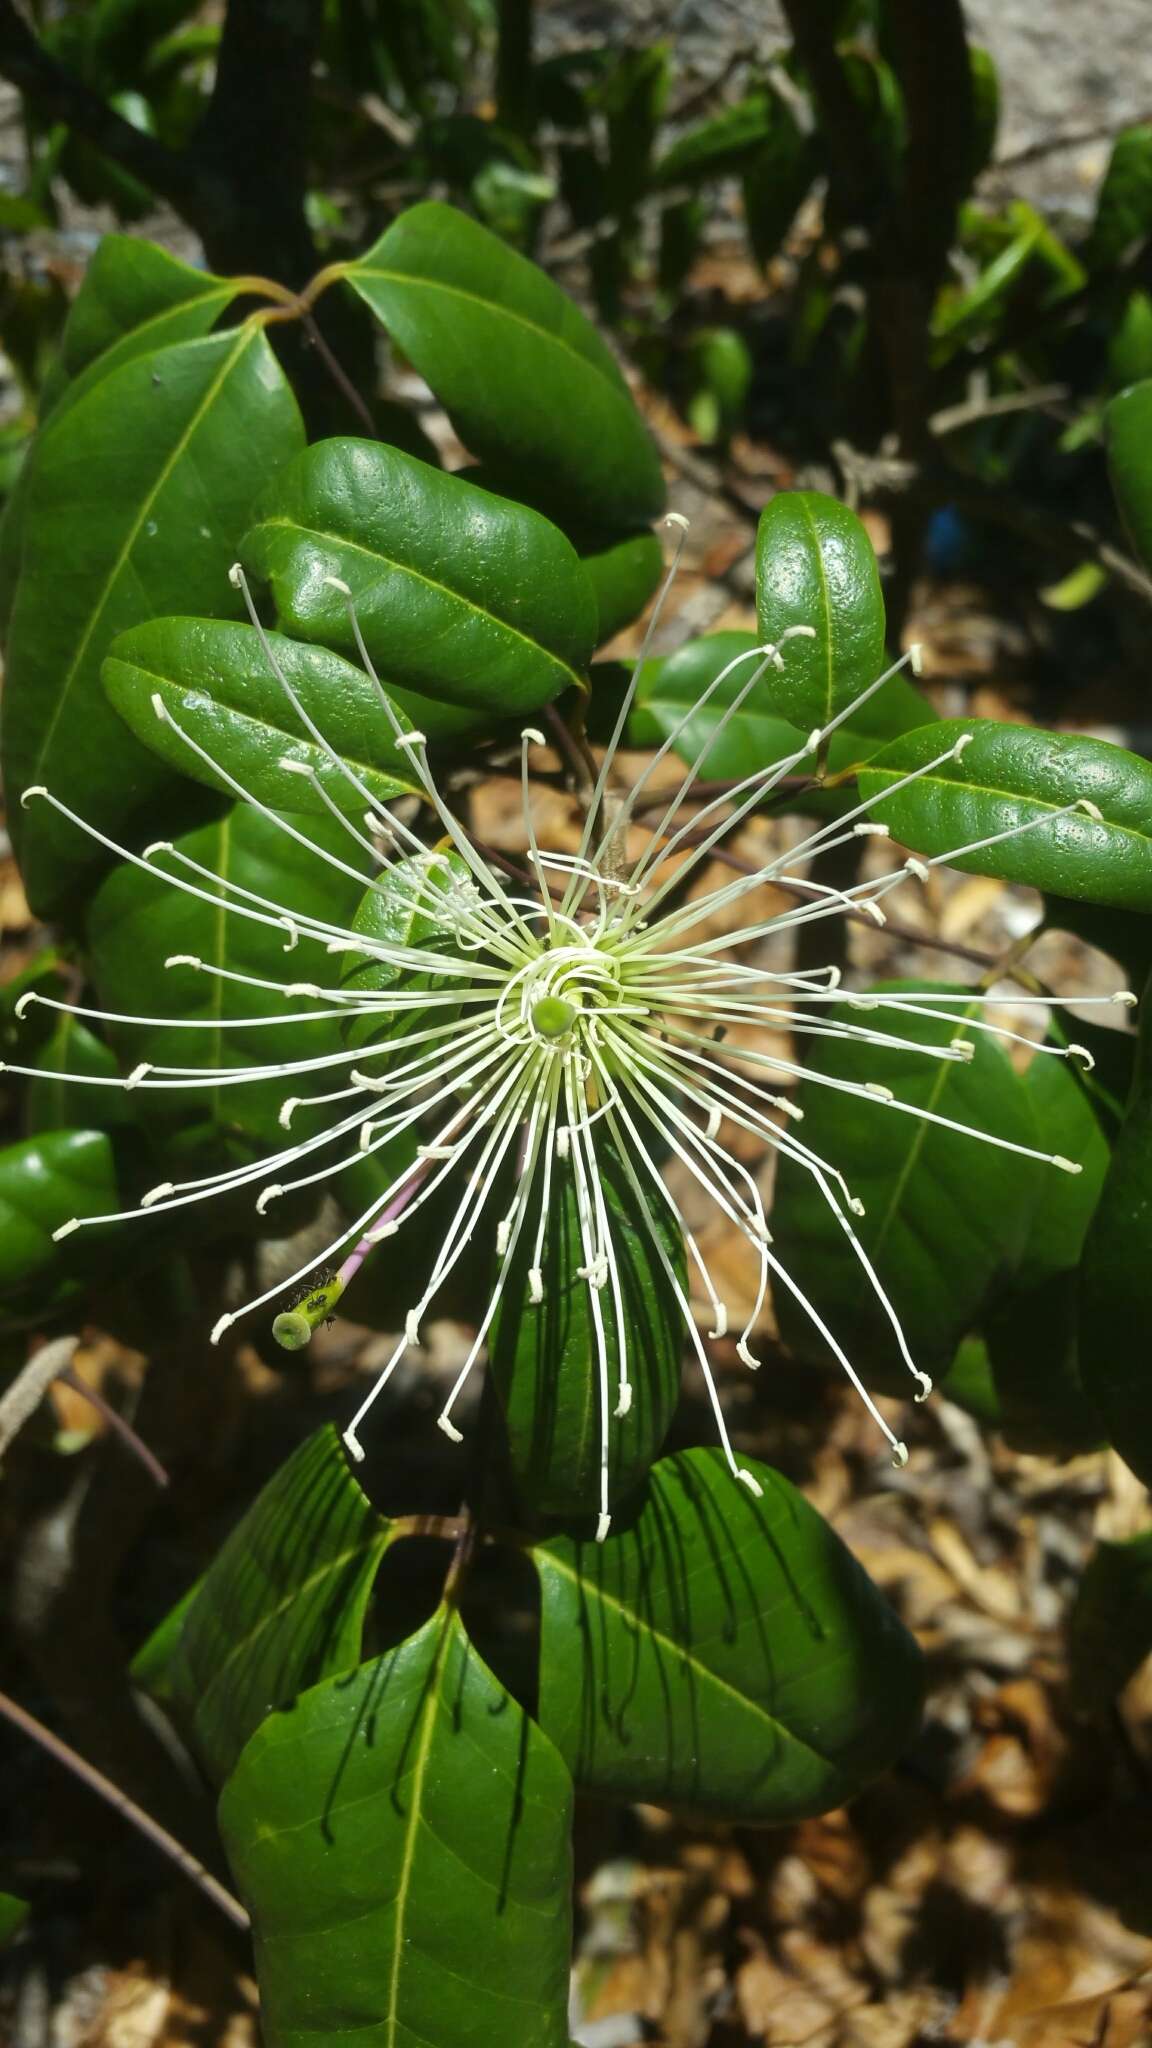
432, 583
245, 338
500, 312
986, 789
686, 1656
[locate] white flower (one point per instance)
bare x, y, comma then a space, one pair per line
593, 1008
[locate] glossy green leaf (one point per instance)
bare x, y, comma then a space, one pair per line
464, 599
719, 145
137, 500
215, 680
135, 298
1031, 1334
550, 409
1124, 204
815, 567
401, 1839
756, 735
138, 920
44, 1181
624, 571
51, 1104
1110, 1632
282, 1604
945, 1216
722, 1653
1116, 1279
1014, 775
1128, 438
543, 1356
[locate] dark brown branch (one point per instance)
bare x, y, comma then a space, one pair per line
135, 1815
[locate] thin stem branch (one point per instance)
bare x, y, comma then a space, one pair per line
72, 1761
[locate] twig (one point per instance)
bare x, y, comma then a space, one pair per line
339, 375
972, 410
136, 1817
117, 1424
576, 752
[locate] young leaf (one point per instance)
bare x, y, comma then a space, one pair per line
944, 1215
722, 1653
529, 385
280, 1607
757, 734
721, 144
1124, 206
215, 679
815, 567
543, 1356
138, 920
1013, 775
135, 505
461, 596
401, 1839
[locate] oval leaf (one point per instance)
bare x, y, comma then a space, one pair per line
462, 597
401, 1839
549, 408
136, 503
1014, 775
138, 920
944, 1214
43, 1182
280, 1607
543, 1356
815, 566
723, 1653
216, 681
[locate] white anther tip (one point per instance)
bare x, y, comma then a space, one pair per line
66, 1229
925, 1387
157, 846
453, 1434
337, 583
288, 1110
677, 519
37, 789
604, 1522
878, 1089
137, 1075
746, 1479
721, 1329
353, 1445
218, 1328
962, 1047
965, 740
183, 960
157, 1194
1066, 1165
916, 658
746, 1356
918, 868
535, 1285
411, 739
236, 576
857, 1206
624, 1403
530, 732
295, 767
1125, 998
22, 1002
1081, 1053
412, 1326
813, 740
159, 707
899, 1456
1091, 810
266, 1195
